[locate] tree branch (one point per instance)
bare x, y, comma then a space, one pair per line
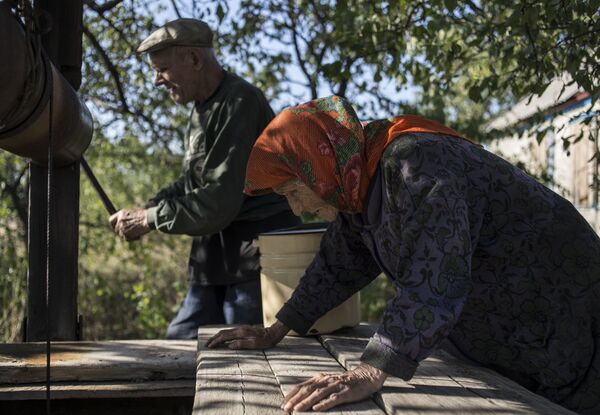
301, 61
174, 4
110, 66
119, 31
534, 48
344, 83
100, 9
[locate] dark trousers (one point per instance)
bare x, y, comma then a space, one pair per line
216, 304
224, 273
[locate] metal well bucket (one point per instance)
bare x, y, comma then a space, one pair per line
30, 82
285, 255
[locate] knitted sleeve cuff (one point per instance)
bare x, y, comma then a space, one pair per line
384, 358
294, 320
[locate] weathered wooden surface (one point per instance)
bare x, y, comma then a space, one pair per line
297, 359
254, 382
231, 382
442, 384
108, 360
127, 368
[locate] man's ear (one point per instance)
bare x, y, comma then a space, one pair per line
197, 59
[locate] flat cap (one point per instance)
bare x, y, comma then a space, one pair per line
180, 32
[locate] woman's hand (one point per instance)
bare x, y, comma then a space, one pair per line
325, 391
249, 337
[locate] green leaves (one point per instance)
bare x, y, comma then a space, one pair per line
220, 12
13, 248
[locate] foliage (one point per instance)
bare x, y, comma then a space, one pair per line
117, 83
518, 47
127, 290
473, 56
374, 297
13, 260
456, 62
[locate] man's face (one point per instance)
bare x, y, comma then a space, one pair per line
174, 70
302, 199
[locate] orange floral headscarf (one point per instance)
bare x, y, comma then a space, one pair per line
323, 143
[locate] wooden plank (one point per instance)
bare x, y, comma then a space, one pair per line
92, 390
443, 384
232, 382
296, 359
132, 360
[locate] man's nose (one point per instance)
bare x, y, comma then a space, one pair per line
296, 207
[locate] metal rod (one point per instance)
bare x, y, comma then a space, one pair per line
96, 185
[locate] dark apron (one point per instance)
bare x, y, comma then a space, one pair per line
228, 257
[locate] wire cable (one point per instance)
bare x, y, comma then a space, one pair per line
49, 204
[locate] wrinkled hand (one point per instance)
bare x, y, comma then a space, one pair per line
249, 337
130, 224
324, 391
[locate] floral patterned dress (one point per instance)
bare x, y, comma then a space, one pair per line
480, 254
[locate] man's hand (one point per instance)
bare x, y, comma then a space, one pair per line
325, 391
130, 224
249, 337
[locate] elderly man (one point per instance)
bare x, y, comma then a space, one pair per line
207, 201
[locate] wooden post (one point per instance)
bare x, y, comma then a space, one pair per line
65, 249
63, 46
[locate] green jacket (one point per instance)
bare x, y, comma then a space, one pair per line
209, 195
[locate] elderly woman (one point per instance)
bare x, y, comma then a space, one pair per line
480, 254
